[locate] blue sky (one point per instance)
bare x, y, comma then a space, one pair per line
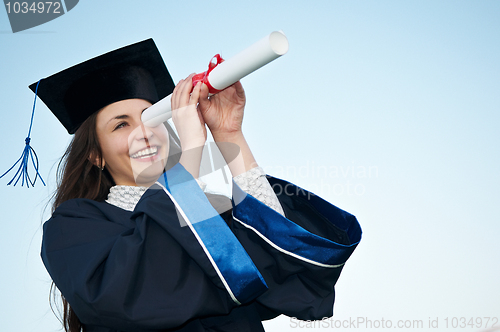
387, 109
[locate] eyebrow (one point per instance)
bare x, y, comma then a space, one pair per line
118, 117
123, 116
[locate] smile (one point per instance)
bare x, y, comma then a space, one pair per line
145, 153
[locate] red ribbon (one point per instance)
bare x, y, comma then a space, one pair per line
203, 77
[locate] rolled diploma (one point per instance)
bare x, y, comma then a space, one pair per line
228, 72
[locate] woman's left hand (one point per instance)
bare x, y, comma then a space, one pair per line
223, 112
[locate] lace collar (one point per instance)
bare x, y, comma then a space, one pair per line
125, 197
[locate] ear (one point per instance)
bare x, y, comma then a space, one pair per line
96, 161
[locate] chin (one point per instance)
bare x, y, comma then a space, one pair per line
146, 174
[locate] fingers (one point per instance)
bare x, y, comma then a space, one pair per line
195, 95
175, 100
203, 99
240, 92
182, 96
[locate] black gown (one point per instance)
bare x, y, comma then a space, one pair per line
175, 264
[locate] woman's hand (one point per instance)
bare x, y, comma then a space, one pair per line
223, 112
189, 123
187, 117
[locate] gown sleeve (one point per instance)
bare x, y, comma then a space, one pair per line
300, 254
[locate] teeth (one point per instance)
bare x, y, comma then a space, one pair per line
148, 152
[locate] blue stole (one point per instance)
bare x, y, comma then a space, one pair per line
237, 272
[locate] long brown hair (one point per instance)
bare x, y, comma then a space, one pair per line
80, 175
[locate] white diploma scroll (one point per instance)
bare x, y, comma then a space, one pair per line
228, 72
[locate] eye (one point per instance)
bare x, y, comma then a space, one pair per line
120, 125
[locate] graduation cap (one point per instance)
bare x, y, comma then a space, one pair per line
134, 71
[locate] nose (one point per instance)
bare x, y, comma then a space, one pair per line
142, 132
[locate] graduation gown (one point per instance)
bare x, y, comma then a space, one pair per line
175, 264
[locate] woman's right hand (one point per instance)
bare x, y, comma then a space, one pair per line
187, 118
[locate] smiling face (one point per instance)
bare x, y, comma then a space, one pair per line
132, 153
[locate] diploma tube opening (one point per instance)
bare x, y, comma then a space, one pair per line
157, 113
228, 72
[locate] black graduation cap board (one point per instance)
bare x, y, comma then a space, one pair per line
134, 71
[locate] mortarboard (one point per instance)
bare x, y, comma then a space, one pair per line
134, 71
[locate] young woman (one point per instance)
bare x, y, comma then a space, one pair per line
134, 244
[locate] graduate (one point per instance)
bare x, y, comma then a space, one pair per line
135, 244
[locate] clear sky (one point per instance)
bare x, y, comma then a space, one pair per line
387, 109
